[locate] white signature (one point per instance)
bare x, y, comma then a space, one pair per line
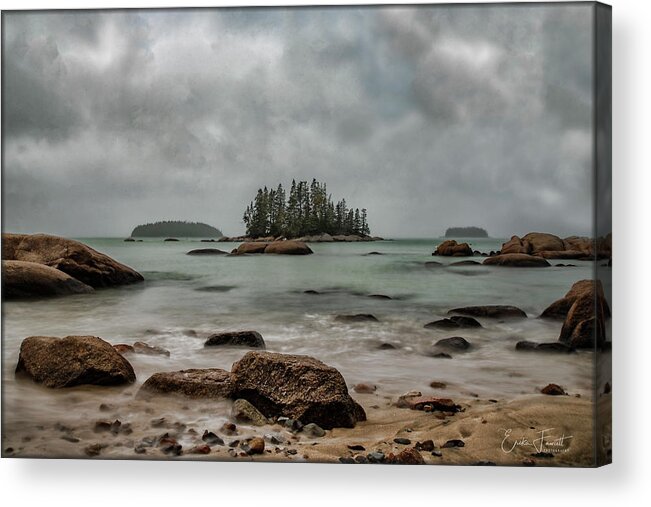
545, 441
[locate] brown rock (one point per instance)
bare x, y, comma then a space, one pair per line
450, 248
590, 288
251, 248
490, 311
123, 348
553, 390
149, 350
194, 383
364, 388
409, 456
298, 387
22, 279
255, 446
435, 384
516, 260
289, 247
72, 361
199, 449
72, 257
206, 251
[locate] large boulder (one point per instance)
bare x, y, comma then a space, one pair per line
251, 248
298, 387
72, 361
210, 383
289, 247
251, 339
490, 311
550, 246
584, 325
72, 257
206, 251
517, 260
583, 288
22, 279
450, 248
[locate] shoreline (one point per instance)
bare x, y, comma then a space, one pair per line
481, 426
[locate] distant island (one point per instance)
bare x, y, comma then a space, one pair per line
466, 232
176, 228
308, 210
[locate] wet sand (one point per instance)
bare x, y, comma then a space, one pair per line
482, 425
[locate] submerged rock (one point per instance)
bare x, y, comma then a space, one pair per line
544, 347
251, 339
150, 350
553, 390
71, 257
73, 361
206, 251
194, 383
455, 342
298, 387
359, 317
287, 247
22, 279
517, 261
491, 311
454, 322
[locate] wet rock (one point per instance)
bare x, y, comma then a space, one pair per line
553, 390
453, 443
311, 292
210, 438
206, 251
75, 259
170, 239
149, 350
346, 460
454, 343
376, 457
402, 441
356, 447
360, 459
584, 325
229, 428
254, 446
435, 384
517, 261
289, 247
441, 355
22, 279
140, 449
374, 253
544, 347
360, 317
450, 248
293, 425
465, 263
93, 450
124, 348
243, 412
438, 454
364, 388
299, 387
433, 264
71, 361
380, 296
404, 400
194, 383
430, 404
454, 322
251, 339
313, 430
275, 438
426, 445
387, 346
199, 449
490, 311
485, 463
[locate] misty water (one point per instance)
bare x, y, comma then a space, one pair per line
185, 298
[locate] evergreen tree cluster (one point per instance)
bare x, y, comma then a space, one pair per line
176, 228
307, 210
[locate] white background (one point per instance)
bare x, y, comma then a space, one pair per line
104, 483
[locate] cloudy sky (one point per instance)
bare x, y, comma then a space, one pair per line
428, 117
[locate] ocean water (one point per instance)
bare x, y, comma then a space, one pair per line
208, 294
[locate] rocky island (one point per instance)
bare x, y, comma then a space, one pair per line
466, 232
172, 228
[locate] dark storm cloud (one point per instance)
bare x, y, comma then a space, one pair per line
429, 117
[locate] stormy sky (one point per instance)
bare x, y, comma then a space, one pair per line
429, 117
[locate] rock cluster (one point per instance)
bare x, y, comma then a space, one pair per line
450, 248
288, 247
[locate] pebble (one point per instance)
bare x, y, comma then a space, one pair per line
101, 426
140, 449
175, 449
360, 458
453, 443
553, 390
402, 441
346, 460
314, 430
234, 443
105, 407
229, 429
200, 449
426, 445
292, 451
356, 447
275, 439
254, 446
437, 453
210, 438
93, 450
376, 457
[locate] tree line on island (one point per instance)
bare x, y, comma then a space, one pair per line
308, 209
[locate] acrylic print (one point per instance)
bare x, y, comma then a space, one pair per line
351, 235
